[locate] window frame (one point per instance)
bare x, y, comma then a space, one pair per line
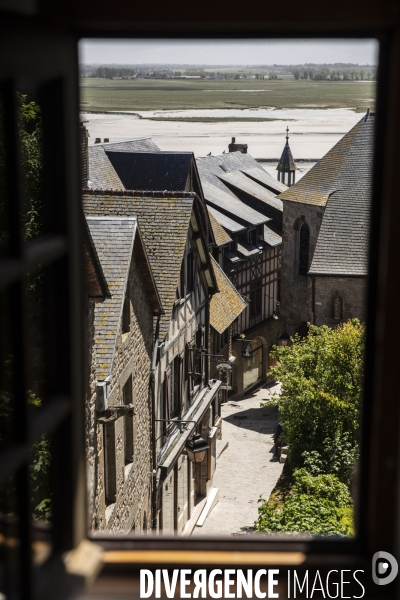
57, 50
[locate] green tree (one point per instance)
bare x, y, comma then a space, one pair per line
319, 505
31, 144
321, 378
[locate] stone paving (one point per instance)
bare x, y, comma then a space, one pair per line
245, 469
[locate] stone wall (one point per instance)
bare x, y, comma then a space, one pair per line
90, 411
296, 289
267, 332
352, 293
132, 508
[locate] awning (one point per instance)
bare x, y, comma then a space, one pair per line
195, 413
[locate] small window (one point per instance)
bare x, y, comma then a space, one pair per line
126, 317
304, 244
128, 422
110, 464
256, 298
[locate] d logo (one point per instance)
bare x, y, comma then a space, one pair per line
384, 568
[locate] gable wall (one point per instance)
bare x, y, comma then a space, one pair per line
132, 357
295, 289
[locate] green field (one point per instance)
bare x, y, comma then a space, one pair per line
171, 94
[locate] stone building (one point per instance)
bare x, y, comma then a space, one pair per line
326, 219
174, 228
119, 405
246, 218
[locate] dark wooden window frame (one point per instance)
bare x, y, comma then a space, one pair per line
50, 55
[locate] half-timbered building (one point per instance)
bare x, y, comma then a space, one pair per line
242, 200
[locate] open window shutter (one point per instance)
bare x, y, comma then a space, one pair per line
194, 269
203, 355
167, 393
190, 366
182, 381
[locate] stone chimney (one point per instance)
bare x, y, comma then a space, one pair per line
234, 147
84, 152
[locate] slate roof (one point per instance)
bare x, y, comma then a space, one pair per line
113, 239
226, 306
286, 162
225, 221
229, 182
220, 235
152, 170
96, 283
261, 176
342, 245
102, 174
347, 165
142, 144
271, 238
247, 250
164, 222
241, 182
228, 203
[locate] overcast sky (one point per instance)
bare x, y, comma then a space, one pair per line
226, 52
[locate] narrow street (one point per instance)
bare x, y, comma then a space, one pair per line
245, 468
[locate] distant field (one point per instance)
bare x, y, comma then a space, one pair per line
146, 94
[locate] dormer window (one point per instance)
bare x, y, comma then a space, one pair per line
126, 317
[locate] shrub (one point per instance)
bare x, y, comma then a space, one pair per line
316, 505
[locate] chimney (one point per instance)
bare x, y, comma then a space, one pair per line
97, 141
84, 153
106, 140
234, 147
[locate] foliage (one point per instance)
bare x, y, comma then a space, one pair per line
316, 505
31, 139
321, 378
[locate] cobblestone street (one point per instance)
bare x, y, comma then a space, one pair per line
245, 469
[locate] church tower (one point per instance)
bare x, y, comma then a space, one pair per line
286, 166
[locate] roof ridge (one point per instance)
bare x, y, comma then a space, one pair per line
154, 193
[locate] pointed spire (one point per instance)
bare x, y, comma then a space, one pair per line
286, 164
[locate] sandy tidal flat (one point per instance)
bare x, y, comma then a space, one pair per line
312, 132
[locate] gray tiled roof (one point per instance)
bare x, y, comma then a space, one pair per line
247, 250
164, 223
143, 144
101, 172
113, 239
266, 179
271, 238
347, 165
286, 162
241, 182
225, 221
342, 245
152, 170
233, 192
228, 203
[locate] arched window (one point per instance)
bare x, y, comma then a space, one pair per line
304, 243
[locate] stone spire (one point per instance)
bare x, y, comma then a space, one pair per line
286, 166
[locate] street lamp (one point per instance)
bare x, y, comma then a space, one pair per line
283, 339
196, 448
